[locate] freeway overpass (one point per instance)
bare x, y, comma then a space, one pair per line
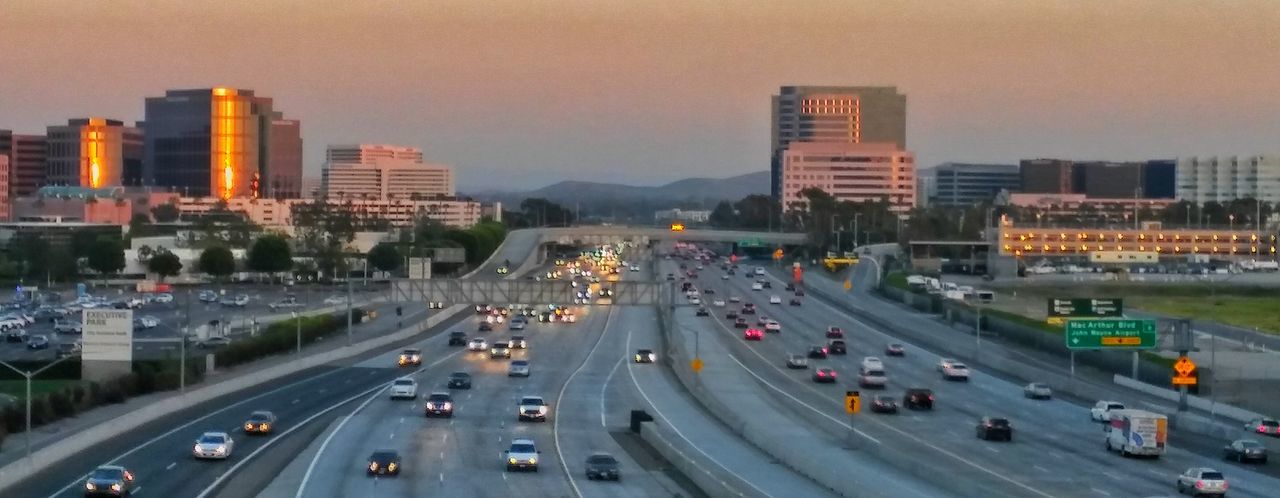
600, 234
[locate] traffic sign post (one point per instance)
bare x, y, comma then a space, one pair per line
1110, 334
1085, 307
852, 405
1184, 372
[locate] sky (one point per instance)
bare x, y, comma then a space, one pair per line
519, 94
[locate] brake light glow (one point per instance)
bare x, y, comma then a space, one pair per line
1262, 428
1199, 484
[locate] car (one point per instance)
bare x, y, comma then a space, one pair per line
522, 455
956, 371
384, 463
708, 290
918, 399
162, 298
1101, 411
824, 375
774, 299
410, 357
645, 356
759, 270
795, 302
477, 344
756, 286
518, 368
873, 378
435, 305
110, 480
404, 388
766, 284
762, 320
797, 361
457, 338
735, 299
773, 326
67, 349
517, 323
335, 300
695, 300
818, 352
532, 408
671, 277
207, 296
748, 309
834, 332
1202, 481
895, 349
68, 327
1265, 426
213, 445
518, 342
799, 293
149, 322
484, 327
994, 428
944, 363
1245, 451
635, 268
883, 403
500, 349
740, 323
459, 380
439, 404
790, 286
38, 342
872, 362
260, 422
837, 346
753, 334
1037, 390
602, 466
289, 302
214, 342
702, 312
15, 335
719, 303
725, 276
503, 270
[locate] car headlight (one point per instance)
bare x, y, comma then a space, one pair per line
116, 487
448, 405
248, 426
196, 448
89, 486
373, 465
511, 460
542, 410
391, 467
533, 460
264, 426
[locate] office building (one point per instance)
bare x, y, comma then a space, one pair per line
1225, 178
212, 142
835, 114
1099, 179
4, 188
284, 159
26, 155
1047, 176
963, 184
684, 215
95, 153
383, 172
849, 172
1159, 179
277, 214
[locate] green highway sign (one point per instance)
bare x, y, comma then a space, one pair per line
1086, 307
1113, 333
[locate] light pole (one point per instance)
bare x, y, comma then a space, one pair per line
297, 331
29, 375
855, 230
837, 231
348, 308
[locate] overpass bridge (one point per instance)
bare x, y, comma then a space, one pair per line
600, 234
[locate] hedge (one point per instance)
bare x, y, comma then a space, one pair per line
278, 338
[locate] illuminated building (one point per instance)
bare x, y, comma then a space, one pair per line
284, 165
835, 114
850, 172
215, 142
383, 172
1032, 242
94, 153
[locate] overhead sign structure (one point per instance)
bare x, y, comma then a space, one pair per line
1110, 333
852, 402
108, 335
1184, 372
1086, 307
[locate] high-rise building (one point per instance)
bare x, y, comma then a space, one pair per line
1225, 178
1159, 179
963, 184
1047, 176
383, 172
95, 153
835, 114
850, 172
26, 155
209, 142
1112, 180
285, 159
5, 206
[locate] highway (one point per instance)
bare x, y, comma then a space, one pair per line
1057, 451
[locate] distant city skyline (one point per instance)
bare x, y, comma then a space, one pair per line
533, 92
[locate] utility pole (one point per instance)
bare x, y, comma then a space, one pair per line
349, 308
298, 332
30, 375
855, 230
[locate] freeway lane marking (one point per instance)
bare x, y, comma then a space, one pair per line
555, 424
993, 450
1039, 468
1101, 492
171, 466
294, 402
606, 384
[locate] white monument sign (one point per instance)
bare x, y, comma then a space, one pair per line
108, 335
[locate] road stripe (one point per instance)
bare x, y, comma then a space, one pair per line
555, 423
171, 466
605, 385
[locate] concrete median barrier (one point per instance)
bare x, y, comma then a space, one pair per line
710, 478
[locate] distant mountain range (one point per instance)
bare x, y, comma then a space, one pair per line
690, 192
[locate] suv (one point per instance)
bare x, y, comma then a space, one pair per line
522, 455
645, 356
1266, 426
404, 388
68, 327
872, 378
459, 380
837, 346
518, 368
457, 338
918, 399
602, 466
519, 342
532, 408
439, 404
995, 428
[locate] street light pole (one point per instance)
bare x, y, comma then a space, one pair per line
855, 230
30, 375
298, 331
349, 308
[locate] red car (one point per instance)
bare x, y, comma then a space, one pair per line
753, 335
834, 332
824, 375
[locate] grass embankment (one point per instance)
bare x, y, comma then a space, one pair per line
1252, 312
18, 388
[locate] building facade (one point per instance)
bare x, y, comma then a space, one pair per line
835, 114
1224, 178
277, 213
1032, 242
685, 215
850, 172
5, 205
383, 172
27, 157
963, 184
284, 160
94, 153
1101, 179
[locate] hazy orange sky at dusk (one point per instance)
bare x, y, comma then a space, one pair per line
651, 91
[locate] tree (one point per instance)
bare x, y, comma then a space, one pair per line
165, 213
385, 257
270, 254
217, 261
755, 211
323, 232
165, 264
106, 256
723, 216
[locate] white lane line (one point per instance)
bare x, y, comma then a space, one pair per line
391, 436
1156, 472
504, 476
322, 391
605, 385
1113, 476
555, 423
295, 401
401, 420
171, 466
135, 491
442, 477
993, 450
676, 429
1039, 468
442, 455
1099, 491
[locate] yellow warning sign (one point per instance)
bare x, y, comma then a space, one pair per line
848, 284
1184, 372
777, 254
852, 402
696, 365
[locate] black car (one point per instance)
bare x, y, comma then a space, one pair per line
791, 286
708, 291
485, 327
1244, 451
731, 315
459, 380
740, 323
895, 349
837, 346
800, 292
819, 352
996, 428
749, 309
38, 342
795, 302
766, 284
439, 405
918, 399
260, 422
883, 403
457, 338
109, 480
602, 466
703, 312
384, 463
645, 356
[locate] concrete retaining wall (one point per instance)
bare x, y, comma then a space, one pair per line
711, 479
1237, 414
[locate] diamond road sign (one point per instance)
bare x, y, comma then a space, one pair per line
1110, 334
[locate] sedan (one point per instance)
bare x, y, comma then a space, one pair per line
895, 349
740, 323
109, 480
996, 428
1244, 451
702, 312
477, 344
1265, 426
797, 361
459, 380
753, 335
818, 352
774, 299
719, 303
731, 315
795, 301
213, 445
384, 462
834, 332
824, 375
260, 422
602, 466
645, 356
38, 342
735, 299
1037, 390
883, 403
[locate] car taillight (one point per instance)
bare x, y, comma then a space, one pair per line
930, 397
1262, 428
1199, 484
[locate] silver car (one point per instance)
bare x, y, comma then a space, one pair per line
213, 445
1202, 481
797, 361
518, 368
1037, 390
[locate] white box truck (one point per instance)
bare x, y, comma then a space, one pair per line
1137, 432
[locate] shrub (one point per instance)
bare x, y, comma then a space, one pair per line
14, 419
41, 412
113, 392
61, 404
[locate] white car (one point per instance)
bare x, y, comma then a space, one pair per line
635, 268
724, 276
772, 326
695, 300
1037, 390
872, 377
1202, 481
213, 445
518, 368
335, 300
735, 299
162, 298
757, 286
1101, 411
477, 344
522, 455
760, 270
149, 321
956, 371
872, 363
532, 408
945, 362
12, 323
775, 300
719, 303
404, 388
